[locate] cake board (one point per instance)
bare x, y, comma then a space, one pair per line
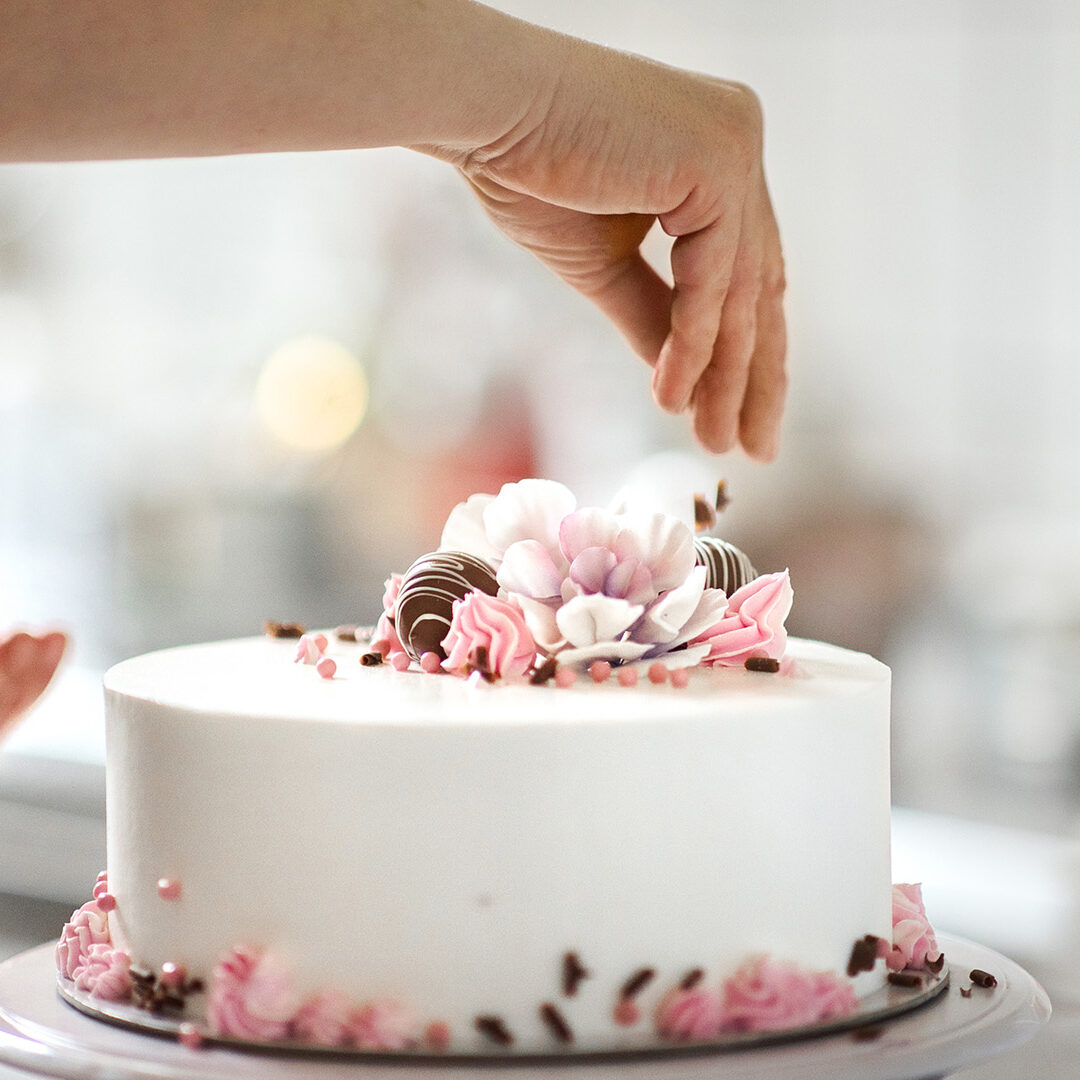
42, 1035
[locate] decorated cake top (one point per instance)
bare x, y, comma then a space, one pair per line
526, 583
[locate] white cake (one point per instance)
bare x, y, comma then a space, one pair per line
415, 839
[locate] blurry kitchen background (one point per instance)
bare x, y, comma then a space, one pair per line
248, 388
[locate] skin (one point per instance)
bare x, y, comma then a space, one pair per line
574, 150
27, 664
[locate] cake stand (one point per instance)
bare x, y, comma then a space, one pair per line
41, 1035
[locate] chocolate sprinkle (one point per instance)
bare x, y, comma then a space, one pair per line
935, 966
868, 1033
544, 672
965, 991
554, 1020
762, 663
283, 629
982, 978
345, 633
637, 982
572, 973
722, 497
692, 978
371, 659
911, 980
704, 514
494, 1028
864, 954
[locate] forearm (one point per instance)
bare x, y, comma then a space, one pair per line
135, 78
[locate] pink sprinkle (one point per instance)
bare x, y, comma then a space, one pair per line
627, 676
101, 886
627, 1013
658, 674
169, 888
107, 902
321, 642
565, 676
600, 670
326, 668
437, 1036
173, 974
382, 647
400, 661
190, 1036
431, 663
680, 677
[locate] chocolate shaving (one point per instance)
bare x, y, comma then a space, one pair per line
572, 973
636, 983
345, 633
554, 1020
762, 663
965, 991
911, 980
282, 629
494, 1028
868, 1033
544, 672
982, 978
371, 659
704, 514
864, 953
935, 966
722, 497
692, 978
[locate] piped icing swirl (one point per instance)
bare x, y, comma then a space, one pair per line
251, 996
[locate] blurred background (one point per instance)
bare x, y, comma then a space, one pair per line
248, 388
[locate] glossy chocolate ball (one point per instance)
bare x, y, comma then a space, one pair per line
726, 567
426, 598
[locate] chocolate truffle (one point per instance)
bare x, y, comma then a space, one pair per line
426, 598
726, 567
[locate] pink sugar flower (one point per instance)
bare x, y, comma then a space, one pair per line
88, 926
483, 622
752, 625
913, 944
308, 650
251, 997
385, 1025
105, 973
325, 1020
690, 1015
766, 996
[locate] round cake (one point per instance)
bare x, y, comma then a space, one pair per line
607, 806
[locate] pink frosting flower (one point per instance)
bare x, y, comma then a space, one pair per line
480, 621
251, 997
385, 1025
767, 996
105, 973
88, 926
385, 630
752, 625
687, 1015
913, 944
325, 1020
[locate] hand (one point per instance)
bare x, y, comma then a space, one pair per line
625, 142
27, 664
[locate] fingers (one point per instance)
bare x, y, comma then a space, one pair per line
638, 301
27, 664
763, 402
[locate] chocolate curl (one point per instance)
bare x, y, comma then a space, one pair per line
722, 497
282, 629
762, 663
371, 659
692, 978
935, 966
864, 954
544, 672
494, 1028
556, 1023
983, 979
636, 983
910, 980
572, 973
704, 514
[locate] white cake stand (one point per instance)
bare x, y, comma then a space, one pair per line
41, 1035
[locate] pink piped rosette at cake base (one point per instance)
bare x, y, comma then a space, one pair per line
251, 997
913, 944
105, 973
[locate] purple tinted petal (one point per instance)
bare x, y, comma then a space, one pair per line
587, 528
590, 569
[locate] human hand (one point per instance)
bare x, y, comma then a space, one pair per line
624, 142
27, 664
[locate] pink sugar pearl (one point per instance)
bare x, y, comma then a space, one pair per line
400, 661
680, 677
189, 1035
600, 671
106, 901
565, 676
627, 676
627, 1013
326, 668
169, 888
431, 663
658, 674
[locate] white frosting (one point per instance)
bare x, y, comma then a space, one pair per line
413, 837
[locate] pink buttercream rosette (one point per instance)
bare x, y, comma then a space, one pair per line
88, 926
690, 1015
484, 626
913, 944
385, 628
764, 995
752, 625
385, 1025
251, 997
105, 973
325, 1020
